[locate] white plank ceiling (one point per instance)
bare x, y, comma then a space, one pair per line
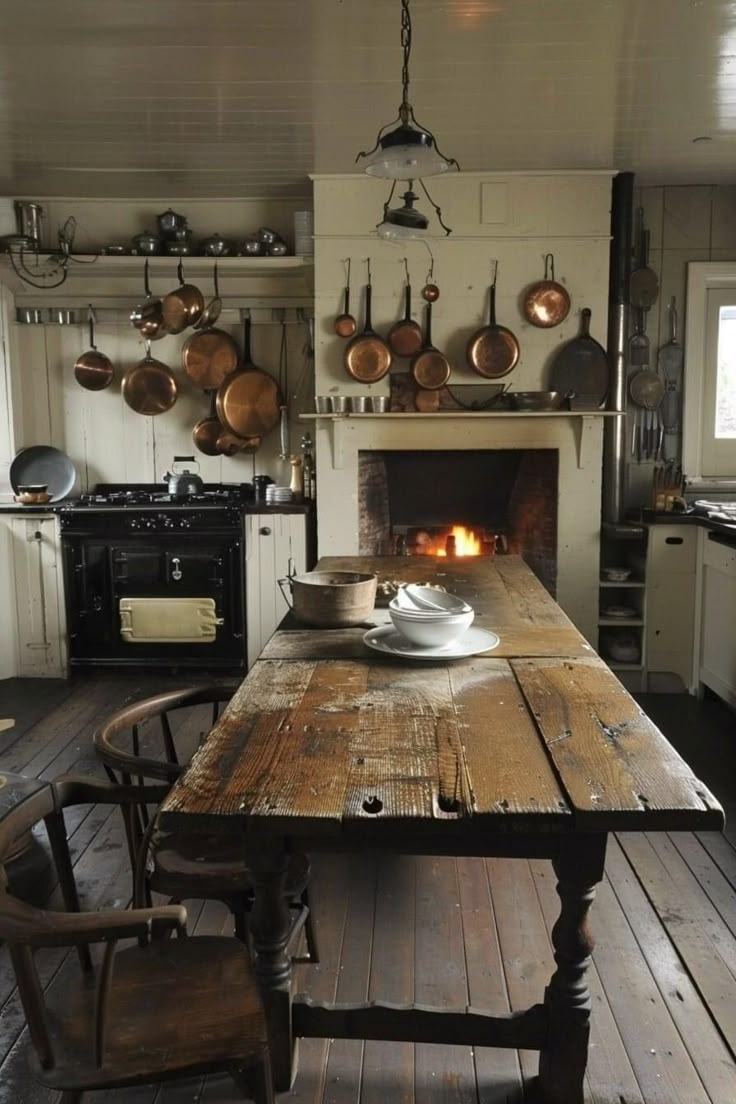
246, 97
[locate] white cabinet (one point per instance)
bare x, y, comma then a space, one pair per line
39, 623
718, 617
271, 541
670, 604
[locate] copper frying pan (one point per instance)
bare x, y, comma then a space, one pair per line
547, 303
183, 306
248, 402
405, 336
93, 369
209, 357
367, 356
430, 369
149, 386
493, 350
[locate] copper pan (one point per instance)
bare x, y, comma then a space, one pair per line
249, 400
229, 444
367, 356
183, 306
546, 303
405, 336
493, 350
344, 324
93, 370
430, 369
209, 357
207, 432
149, 386
147, 317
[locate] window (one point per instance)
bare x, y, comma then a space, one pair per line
709, 415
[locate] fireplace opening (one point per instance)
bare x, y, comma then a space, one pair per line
477, 502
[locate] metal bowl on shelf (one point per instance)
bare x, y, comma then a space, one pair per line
537, 400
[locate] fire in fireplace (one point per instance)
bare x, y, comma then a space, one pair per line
461, 503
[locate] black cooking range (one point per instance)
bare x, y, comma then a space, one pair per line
153, 579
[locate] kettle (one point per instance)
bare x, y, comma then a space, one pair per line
183, 483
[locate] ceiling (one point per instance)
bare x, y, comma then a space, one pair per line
246, 97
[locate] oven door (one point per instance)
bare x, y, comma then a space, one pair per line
119, 591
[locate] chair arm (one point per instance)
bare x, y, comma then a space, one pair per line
24, 924
81, 789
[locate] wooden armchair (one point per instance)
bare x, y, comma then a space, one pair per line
154, 1009
193, 864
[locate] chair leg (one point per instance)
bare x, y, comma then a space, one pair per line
256, 1081
309, 933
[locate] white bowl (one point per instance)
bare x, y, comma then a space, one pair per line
433, 632
428, 599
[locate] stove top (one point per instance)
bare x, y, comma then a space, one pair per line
112, 496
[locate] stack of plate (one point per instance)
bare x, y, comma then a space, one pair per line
278, 496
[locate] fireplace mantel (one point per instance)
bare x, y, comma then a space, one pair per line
584, 423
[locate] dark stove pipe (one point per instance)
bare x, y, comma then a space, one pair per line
614, 430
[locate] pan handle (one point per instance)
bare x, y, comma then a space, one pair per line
549, 267
283, 583
92, 327
428, 330
146, 284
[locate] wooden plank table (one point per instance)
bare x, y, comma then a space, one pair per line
531, 750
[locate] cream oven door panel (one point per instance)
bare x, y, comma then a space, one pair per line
168, 620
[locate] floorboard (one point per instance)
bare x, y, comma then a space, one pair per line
445, 931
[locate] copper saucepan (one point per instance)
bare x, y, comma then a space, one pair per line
367, 356
430, 369
493, 350
249, 401
93, 370
149, 386
405, 336
206, 433
183, 306
148, 317
344, 324
546, 303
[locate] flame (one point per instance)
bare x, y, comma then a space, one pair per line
467, 543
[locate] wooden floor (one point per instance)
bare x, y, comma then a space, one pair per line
446, 931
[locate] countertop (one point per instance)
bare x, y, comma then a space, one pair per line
648, 517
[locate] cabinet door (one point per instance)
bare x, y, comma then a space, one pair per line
718, 644
38, 593
271, 542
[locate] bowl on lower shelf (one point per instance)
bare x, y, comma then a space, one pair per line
622, 649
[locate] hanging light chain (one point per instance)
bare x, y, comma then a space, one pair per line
405, 108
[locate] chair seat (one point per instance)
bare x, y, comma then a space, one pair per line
189, 864
166, 1015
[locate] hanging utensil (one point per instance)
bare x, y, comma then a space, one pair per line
367, 356
206, 433
639, 342
430, 369
547, 303
93, 370
284, 454
581, 366
493, 351
211, 312
149, 387
248, 401
345, 325
230, 445
644, 285
148, 317
430, 291
646, 389
210, 355
183, 306
405, 336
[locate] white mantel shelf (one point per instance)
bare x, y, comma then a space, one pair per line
585, 419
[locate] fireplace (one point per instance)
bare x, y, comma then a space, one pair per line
461, 502
571, 444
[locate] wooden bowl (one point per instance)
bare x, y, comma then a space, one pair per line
32, 498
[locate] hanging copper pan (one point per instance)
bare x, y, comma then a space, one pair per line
230, 445
546, 303
183, 306
149, 386
430, 369
148, 317
93, 369
367, 356
405, 336
206, 433
344, 325
493, 350
248, 401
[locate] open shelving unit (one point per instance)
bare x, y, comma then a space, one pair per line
624, 545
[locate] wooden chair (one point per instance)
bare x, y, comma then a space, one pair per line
193, 864
154, 1009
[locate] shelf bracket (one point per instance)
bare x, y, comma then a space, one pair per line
583, 438
338, 443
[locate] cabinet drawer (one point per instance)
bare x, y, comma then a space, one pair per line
672, 548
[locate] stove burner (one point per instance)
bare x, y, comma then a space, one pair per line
120, 497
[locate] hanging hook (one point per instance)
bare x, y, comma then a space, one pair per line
430, 274
406, 269
549, 262
346, 262
494, 262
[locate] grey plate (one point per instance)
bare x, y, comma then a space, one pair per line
43, 464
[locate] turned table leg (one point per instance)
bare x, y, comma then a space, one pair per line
562, 1062
270, 925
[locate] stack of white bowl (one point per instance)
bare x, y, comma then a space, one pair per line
278, 496
429, 618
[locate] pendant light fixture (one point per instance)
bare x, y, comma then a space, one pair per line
405, 150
